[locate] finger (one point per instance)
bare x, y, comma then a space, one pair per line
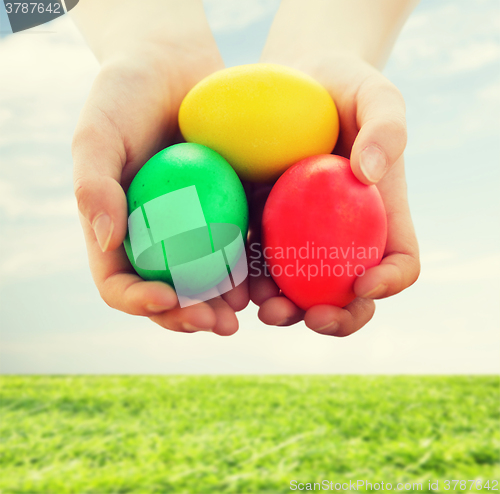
128, 293
220, 320
124, 290
191, 319
99, 157
395, 273
400, 266
381, 120
280, 311
226, 321
238, 297
262, 288
336, 321
115, 135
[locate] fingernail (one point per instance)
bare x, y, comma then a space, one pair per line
332, 327
378, 291
282, 322
157, 308
189, 327
373, 163
103, 228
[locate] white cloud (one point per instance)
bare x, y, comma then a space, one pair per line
490, 94
452, 38
481, 268
448, 266
429, 257
473, 56
44, 81
45, 78
32, 251
138, 346
233, 15
16, 204
5, 115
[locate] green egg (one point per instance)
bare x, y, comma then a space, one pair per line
187, 219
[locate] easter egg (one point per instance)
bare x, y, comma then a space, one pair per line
261, 117
321, 229
188, 218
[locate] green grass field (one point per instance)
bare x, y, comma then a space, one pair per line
214, 434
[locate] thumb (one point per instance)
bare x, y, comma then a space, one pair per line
381, 120
99, 156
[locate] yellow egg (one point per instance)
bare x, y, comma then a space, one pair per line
261, 117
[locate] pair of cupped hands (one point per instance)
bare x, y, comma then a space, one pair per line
131, 114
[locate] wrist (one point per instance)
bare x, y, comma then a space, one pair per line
366, 29
118, 28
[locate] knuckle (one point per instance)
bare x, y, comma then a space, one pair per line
412, 271
81, 138
397, 113
388, 88
76, 141
384, 105
82, 193
394, 125
106, 298
399, 130
104, 291
110, 291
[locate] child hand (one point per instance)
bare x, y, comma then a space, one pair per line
373, 136
131, 114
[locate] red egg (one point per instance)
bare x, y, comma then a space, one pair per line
321, 229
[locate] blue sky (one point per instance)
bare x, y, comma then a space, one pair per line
447, 65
